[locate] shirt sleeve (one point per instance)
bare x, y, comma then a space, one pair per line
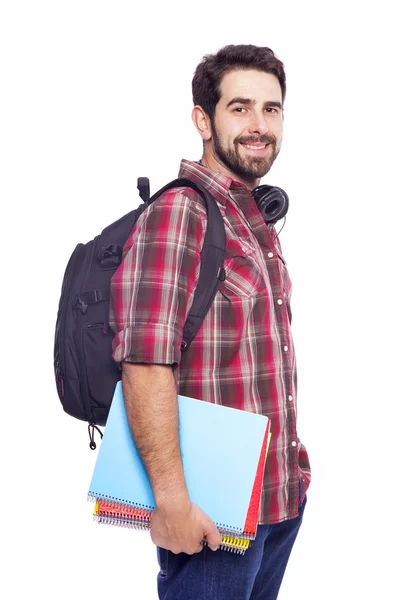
152, 290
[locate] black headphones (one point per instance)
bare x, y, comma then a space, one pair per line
273, 202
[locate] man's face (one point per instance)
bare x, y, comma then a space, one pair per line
248, 123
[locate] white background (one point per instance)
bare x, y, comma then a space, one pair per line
96, 94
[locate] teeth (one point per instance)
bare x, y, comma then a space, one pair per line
255, 147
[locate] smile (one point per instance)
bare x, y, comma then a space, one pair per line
256, 148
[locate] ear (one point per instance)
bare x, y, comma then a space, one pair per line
202, 123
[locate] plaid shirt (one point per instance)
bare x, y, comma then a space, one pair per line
243, 355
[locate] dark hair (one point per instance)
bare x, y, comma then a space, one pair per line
206, 82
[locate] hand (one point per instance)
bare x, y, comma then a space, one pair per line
180, 526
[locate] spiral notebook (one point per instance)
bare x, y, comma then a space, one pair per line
223, 453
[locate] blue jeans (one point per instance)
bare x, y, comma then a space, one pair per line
221, 575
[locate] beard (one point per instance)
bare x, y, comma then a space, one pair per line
250, 167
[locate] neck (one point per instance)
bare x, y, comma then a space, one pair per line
212, 162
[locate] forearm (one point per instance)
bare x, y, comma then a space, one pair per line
152, 409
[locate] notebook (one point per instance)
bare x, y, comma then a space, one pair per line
109, 512
223, 453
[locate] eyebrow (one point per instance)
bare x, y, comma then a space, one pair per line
248, 101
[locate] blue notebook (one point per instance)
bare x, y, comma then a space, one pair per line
221, 452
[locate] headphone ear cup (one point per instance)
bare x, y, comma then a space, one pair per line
272, 202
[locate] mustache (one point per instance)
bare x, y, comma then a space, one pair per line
264, 139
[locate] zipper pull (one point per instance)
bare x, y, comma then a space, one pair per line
91, 428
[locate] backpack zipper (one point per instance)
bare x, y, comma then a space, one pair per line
83, 370
69, 272
88, 270
102, 325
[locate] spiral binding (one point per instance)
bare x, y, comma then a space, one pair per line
110, 513
238, 545
93, 497
131, 510
121, 523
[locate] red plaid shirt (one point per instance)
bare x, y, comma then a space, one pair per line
243, 355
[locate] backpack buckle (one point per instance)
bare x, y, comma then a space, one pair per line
80, 304
110, 255
221, 275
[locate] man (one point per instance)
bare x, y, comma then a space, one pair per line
242, 356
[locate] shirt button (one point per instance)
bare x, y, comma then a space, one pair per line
279, 301
244, 249
290, 397
285, 348
270, 254
294, 444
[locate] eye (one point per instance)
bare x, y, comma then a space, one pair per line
239, 108
270, 108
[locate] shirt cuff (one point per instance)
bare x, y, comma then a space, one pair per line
153, 343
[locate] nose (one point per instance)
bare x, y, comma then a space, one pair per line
258, 124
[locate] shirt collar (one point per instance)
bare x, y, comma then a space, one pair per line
218, 184
221, 187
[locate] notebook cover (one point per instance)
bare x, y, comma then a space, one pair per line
220, 449
250, 528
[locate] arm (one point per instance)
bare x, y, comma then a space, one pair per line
151, 296
152, 409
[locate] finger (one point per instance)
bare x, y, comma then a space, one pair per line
212, 546
213, 538
194, 549
200, 548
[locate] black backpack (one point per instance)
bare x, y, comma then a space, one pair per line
85, 372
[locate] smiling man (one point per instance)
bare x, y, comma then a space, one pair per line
243, 355
244, 137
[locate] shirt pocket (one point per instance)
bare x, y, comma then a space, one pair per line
243, 277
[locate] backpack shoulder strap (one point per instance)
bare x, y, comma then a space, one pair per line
212, 259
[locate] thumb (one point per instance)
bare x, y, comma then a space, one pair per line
212, 536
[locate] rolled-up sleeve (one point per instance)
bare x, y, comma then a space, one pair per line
152, 289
